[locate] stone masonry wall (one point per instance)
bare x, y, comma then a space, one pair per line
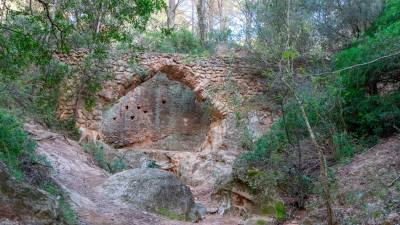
227, 84
209, 78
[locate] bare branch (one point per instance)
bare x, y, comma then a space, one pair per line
46, 8
355, 66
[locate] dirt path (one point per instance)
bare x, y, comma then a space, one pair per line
81, 178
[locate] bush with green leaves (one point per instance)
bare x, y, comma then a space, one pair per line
68, 213
283, 158
16, 147
268, 167
30, 75
179, 41
368, 112
96, 149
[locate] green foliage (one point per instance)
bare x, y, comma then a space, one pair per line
14, 144
280, 211
153, 164
92, 75
67, 211
170, 214
343, 146
179, 41
96, 149
261, 222
29, 77
274, 160
19, 46
17, 151
367, 112
48, 83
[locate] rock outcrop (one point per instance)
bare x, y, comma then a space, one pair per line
21, 203
75, 171
161, 114
190, 115
154, 190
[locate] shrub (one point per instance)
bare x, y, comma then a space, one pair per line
343, 146
96, 149
280, 211
153, 164
15, 144
68, 213
261, 222
170, 214
179, 41
273, 162
365, 110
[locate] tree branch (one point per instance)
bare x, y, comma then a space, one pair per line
45, 6
355, 66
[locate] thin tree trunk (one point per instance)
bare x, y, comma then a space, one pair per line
322, 163
193, 13
210, 16
319, 149
99, 19
171, 14
222, 21
201, 8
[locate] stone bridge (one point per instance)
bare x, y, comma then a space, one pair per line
176, 103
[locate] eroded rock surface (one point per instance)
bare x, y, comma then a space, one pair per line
160, 113
152, 189
21, 203
77, 174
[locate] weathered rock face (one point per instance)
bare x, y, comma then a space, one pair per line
21, 203
151, 189
161, 114
231, 86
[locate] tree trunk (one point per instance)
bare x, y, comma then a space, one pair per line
193, 14
201, 8
210, 16
319, 149
246, 9
171, 14
322, 164
222, 20
248, 24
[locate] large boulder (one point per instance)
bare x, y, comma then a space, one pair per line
153, 190
21, 203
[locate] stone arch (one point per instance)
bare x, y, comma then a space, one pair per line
205, 76
180, 73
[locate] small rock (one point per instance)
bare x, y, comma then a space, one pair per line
212, 210
198, 213
393, 217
